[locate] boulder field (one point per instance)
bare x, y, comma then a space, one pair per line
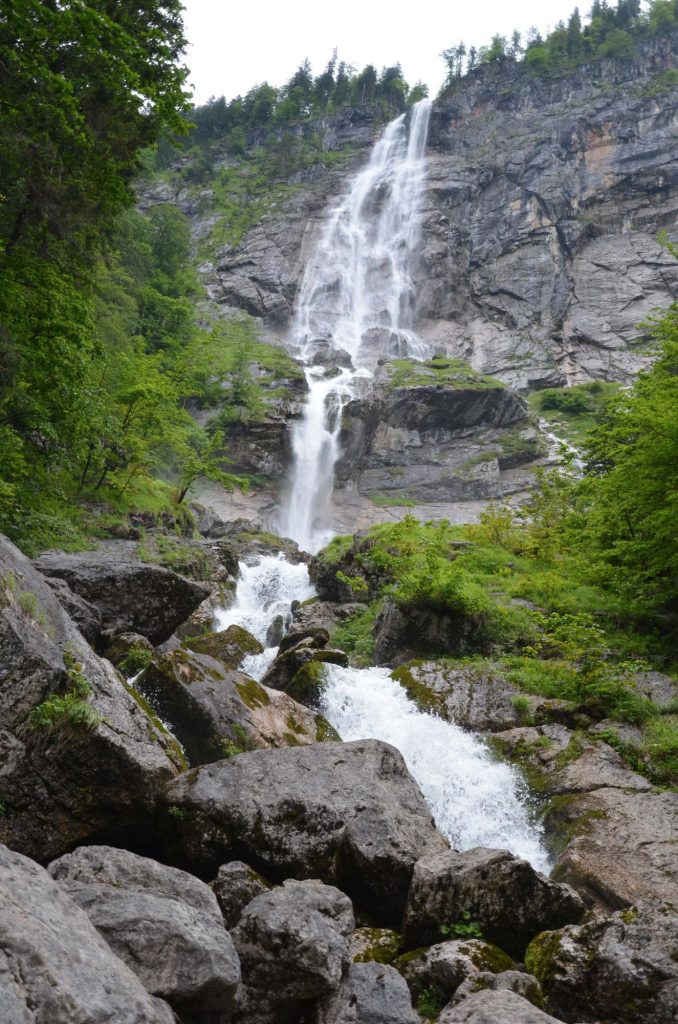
183, 844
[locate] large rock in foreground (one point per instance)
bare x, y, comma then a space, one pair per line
621, 969
293, 943
55, 968
131, 595
78, 753
339, 811
165, 924
371, 994
504, 896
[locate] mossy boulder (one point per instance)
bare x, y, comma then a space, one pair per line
622, 968
286, 667
228, 646
375, 945
218, 712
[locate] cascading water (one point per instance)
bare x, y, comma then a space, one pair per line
357, 305
356, 301
475, 799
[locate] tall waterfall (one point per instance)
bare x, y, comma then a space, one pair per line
356, 304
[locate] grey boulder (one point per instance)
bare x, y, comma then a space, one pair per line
163, 923
495, 1007
505, 896
346, 812
622, 968
440, 970
292, 942
55, 968
132, 596
65, 778
371, 994
235, 886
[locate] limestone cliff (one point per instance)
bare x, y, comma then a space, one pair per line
539, 254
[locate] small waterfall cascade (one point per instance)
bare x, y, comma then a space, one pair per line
356, 305
475, 799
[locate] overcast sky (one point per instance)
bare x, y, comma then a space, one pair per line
233, 46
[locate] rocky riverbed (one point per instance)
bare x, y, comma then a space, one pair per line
184, 843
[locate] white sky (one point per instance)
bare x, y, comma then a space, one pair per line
233, 46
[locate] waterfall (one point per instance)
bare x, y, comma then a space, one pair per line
356, 304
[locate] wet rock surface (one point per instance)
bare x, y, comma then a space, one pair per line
346, 812
55, 968
163, 923
507, 899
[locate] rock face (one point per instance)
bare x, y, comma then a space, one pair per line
163, 923
339, 811
93, 759
489, 1007
293, 944
371, 994
215, 711
623, 846
621, 969
544, 197
455, 438
55, 968
131, 596
507, 898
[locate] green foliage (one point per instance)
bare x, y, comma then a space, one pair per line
464, 928
355, 583
63, 716
430, 1002
573, 412
613, 31
452, 373
136, 660
354, 635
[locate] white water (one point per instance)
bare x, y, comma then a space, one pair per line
265, 591
475, 800
357, 297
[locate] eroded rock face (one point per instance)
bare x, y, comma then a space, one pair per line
505, 896
163, 923
622, 846
495, 1007
293, 944
620, 969
55, 967
131, 596
338, 811
62, 782
215, 711
371, 994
